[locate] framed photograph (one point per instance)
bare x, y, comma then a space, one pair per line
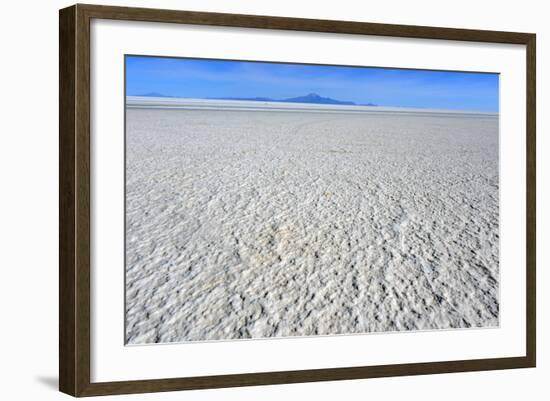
249, 200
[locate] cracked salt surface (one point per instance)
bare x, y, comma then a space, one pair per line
270, 224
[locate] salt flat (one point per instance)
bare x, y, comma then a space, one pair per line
252, 224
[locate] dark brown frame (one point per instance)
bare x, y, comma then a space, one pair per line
74, 200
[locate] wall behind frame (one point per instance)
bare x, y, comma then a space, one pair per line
28, 205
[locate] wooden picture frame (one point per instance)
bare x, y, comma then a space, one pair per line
74, 200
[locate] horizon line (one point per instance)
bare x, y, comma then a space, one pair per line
171, 102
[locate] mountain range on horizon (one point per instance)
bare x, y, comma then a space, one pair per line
313, 98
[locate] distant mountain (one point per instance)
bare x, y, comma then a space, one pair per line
154, 94
315, 98
310, 98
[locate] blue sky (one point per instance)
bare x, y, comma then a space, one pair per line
197, 78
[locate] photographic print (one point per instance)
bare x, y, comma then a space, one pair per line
268, 199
